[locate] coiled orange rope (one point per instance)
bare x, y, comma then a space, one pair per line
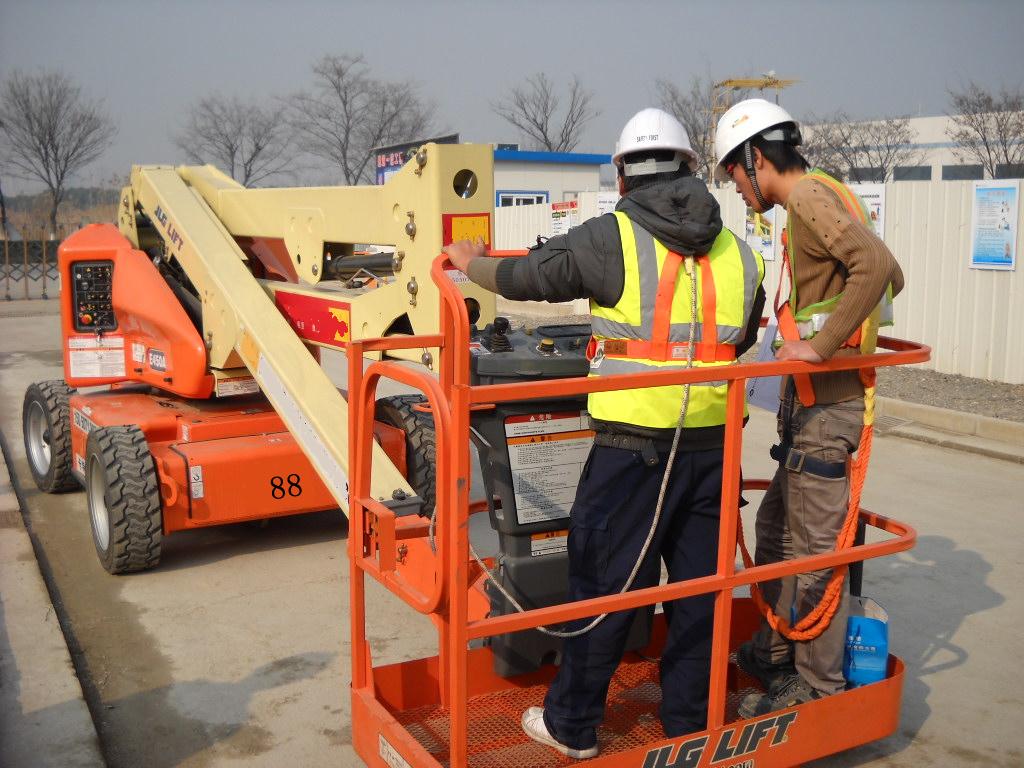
818, 620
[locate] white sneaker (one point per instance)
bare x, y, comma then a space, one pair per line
534, 727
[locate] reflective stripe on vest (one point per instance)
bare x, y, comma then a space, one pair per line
728, 276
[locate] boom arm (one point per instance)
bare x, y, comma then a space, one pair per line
198, 213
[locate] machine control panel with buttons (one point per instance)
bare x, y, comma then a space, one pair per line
92, 294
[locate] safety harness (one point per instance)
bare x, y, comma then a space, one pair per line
795, 325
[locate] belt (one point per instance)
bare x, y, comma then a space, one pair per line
798, 461
643, 445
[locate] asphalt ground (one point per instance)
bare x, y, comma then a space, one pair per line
236, 647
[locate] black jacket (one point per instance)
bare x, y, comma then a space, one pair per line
587, 263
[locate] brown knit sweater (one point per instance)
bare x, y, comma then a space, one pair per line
831, 252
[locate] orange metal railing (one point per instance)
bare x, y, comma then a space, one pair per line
375, 531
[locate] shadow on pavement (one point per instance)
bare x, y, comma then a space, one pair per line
188, 549
190, 717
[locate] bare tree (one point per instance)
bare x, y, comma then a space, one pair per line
695, 110
251, 141
857, 151
49, 131
988, 128
825, 145
532, 109
349, 113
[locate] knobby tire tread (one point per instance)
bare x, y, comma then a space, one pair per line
421, 443
54, 395
132, 496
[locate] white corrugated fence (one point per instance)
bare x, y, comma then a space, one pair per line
972, 319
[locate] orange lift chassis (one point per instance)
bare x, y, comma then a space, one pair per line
453, 710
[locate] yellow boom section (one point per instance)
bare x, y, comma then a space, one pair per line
444, 193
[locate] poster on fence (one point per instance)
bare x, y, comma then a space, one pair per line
873, 196
995, 210
761, 232
563, 216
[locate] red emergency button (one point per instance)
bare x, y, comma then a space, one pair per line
85, 319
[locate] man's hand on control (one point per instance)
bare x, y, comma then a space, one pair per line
464, 251
798, 350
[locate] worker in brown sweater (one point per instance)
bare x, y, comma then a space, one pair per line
841, 274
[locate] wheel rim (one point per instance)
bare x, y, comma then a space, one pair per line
98, 504
37, 438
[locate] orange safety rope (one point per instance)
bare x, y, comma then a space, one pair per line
818, 620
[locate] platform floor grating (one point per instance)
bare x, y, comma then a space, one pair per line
497, 741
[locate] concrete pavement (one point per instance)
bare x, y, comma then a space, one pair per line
235, 648
44, 720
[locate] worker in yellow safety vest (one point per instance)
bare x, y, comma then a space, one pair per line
669, 288
841, 281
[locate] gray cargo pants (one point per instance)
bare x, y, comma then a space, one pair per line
801, 514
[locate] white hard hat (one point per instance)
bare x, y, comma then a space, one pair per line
746, 120
653, 129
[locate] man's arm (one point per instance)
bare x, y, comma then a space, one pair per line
582, 264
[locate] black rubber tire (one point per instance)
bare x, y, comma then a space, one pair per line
120, 476
46, 429
420, 444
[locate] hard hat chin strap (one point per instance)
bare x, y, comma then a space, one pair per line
748, 164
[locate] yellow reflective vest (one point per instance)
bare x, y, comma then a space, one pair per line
641, 333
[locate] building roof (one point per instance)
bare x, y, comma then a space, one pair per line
557, 158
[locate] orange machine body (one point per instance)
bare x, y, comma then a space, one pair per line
120, 321
218, 461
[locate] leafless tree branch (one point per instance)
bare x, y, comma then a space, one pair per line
846, 148
696, 109
49, 131
988, 127
531, 109
349, 113
252, 142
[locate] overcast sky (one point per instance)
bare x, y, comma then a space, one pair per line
149, 61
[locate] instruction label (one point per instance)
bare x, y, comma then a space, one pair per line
390, 755
549, 543
240, 386
96, 357
546, 453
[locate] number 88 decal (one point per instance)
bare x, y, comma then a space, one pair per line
278, 489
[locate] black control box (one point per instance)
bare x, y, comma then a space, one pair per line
532, 453
92, 296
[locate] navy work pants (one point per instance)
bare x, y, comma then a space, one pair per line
610, 520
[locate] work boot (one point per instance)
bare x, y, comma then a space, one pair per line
785, 693
535, 727
767, 673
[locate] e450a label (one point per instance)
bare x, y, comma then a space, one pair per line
733, 744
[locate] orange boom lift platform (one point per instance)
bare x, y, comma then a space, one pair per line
452, 710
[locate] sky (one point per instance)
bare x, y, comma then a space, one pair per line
149, 61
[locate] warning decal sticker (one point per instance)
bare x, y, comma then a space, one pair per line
96, 357
546, 454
